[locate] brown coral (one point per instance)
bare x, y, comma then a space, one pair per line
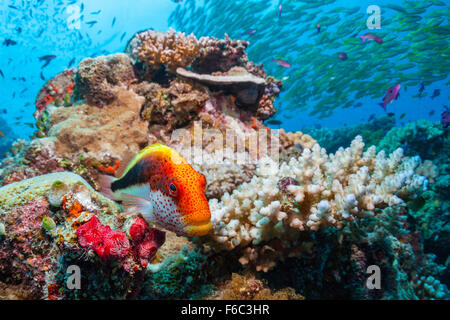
171, 48
221, 55
99, 132
96, 78
171, 107
248, 287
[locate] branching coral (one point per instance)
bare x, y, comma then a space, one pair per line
331, 189
154, 48
100, 133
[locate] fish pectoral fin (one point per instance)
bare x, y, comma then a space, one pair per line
137, 204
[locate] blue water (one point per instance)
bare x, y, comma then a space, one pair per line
50, 27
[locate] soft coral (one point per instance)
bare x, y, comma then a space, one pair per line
107, 243
145, 241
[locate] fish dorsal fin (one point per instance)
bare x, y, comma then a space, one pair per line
129, 160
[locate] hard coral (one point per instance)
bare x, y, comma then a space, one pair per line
96, 78
171, 107
96, 132
154, 49
220, 54
332, 189
247, 287
58, 92
245, 87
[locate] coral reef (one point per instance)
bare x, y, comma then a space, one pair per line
247, 287
331, 189
113, 131
96, 78
155, 48
171, 107
420, 137
84, 229
304, 225
58, 92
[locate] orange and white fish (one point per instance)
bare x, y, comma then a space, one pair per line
165, 189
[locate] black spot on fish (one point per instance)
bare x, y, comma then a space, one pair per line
139, 174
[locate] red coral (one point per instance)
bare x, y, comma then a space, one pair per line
107, 243
138, 229
110, 169
145, 241
146, 250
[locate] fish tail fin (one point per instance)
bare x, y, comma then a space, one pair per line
137, 204
382, 104
362, 38
105, 186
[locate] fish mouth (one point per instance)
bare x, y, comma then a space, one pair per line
198, 229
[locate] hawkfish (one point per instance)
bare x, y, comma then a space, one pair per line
160, 185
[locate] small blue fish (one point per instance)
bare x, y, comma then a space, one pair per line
91, 23
436, 93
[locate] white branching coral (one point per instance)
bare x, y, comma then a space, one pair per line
328, 190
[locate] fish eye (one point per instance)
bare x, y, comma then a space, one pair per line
172, 188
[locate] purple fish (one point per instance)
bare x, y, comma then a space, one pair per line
318, 28
282, 63
343, 56
391, 95
279, 11
371, 36
249, 32
445, 118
